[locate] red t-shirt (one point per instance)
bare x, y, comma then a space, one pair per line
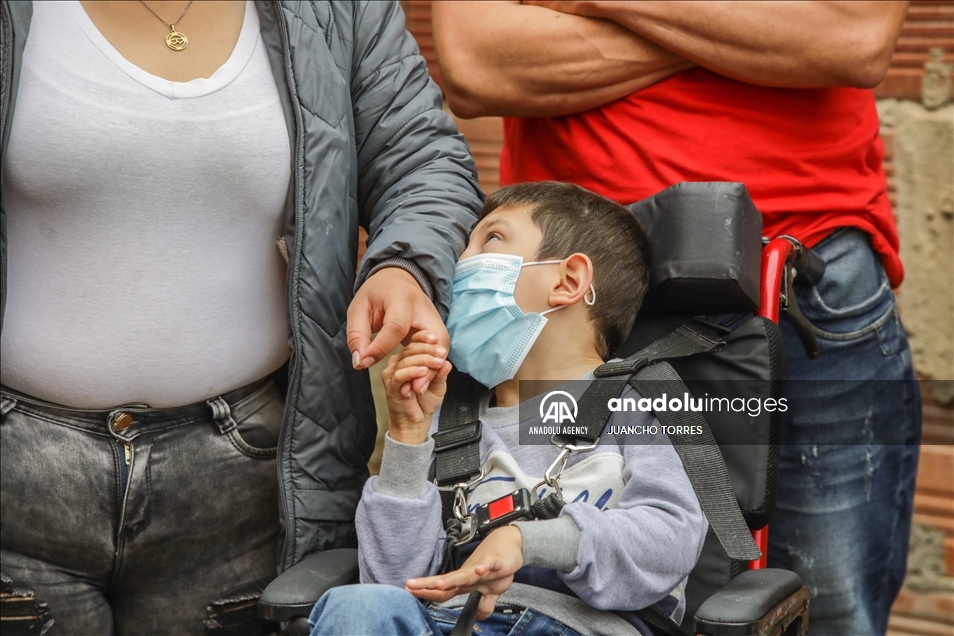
810, 158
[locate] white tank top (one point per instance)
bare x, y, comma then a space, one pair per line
142, 218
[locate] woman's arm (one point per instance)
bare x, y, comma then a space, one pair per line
417, 191
794, 44
503, 58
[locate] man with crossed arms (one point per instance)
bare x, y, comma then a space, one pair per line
628, 98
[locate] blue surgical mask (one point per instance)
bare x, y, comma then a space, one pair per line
490, 335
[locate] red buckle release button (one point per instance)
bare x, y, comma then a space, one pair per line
500, 507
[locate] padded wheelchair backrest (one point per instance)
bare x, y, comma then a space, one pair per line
706, 241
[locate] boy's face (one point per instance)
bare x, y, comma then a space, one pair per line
511, 230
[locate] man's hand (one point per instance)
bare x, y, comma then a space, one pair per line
489, 569
410, 413
391, 303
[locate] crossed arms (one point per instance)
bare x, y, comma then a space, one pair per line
549, 58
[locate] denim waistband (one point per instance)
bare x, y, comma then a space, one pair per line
131, 420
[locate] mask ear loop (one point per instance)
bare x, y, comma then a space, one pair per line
540, 263
586, 298
589, 298
548, 311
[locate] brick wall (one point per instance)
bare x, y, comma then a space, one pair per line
928, 25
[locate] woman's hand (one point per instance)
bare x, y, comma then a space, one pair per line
392, 304
489, 570
410, 413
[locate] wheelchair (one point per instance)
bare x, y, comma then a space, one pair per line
725, 276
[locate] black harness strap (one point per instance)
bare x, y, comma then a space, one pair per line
699, 453
687, 340
703, 462
468, 616
457, 440
456, 453
659, 622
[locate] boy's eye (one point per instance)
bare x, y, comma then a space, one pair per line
493, 236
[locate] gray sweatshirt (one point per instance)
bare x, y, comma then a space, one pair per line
630, 533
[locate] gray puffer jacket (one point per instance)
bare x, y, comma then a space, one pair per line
370, 147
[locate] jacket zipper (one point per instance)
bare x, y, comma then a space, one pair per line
294, 264
7, 19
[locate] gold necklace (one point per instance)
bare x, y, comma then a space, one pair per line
175, 40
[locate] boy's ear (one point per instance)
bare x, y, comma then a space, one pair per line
576, 276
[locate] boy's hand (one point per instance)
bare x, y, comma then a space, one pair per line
410, 413
489, 569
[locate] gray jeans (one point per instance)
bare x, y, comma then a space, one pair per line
134, 520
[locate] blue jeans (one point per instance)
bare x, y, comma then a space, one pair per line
849, 445
384, 610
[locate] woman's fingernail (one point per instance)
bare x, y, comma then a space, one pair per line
424, 388
356, 360
441, 351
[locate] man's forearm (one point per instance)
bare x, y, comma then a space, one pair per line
788, 44
502, 58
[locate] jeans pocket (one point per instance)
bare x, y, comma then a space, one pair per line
853, 299
891, 334
258, 422
444, 615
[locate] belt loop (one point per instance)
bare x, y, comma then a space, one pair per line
222, 414
6, 405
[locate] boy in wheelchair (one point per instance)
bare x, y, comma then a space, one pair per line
549, 285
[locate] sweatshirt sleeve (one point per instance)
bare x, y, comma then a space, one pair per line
398, 520
652, 540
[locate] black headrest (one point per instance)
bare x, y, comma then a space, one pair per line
706, 243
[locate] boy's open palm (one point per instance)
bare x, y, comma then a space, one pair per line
410, 413
489, 570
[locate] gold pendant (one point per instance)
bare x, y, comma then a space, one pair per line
176, 41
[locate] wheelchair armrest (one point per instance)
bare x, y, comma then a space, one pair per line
297, 589
756, 602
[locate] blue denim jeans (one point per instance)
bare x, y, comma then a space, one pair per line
384, 610
133, 520
849, 445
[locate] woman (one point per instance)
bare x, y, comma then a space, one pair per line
146, 307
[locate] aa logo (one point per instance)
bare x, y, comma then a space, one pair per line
558, 407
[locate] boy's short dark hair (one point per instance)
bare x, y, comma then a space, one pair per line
572, 220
